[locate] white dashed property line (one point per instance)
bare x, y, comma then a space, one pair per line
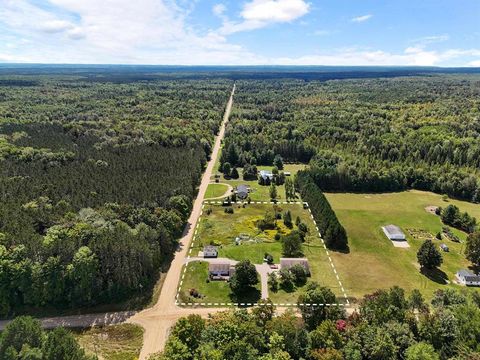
261, 304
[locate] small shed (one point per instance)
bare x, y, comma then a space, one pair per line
287, 173
242, 191
210, 251
287, 263
468, 278
444, 247
221, 268
394, 233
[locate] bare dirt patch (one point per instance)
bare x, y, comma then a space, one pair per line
431, 209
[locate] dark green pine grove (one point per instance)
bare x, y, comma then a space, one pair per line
96, 184
365, 135
333, 233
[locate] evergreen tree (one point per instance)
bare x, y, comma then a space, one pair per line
428, 255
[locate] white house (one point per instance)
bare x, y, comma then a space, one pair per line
393, 232
264, 174
210, 251
287, 263
468, 278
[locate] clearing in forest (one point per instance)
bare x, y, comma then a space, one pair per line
237, 236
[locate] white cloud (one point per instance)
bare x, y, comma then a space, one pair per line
359, 19
431, 39
219, 9
412, 56
274, 10
257, 14
55, 26
475, 63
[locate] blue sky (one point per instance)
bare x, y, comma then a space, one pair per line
247, 32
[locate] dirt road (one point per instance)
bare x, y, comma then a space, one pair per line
158, 319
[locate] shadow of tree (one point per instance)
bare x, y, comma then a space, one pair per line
249, 295
436, 275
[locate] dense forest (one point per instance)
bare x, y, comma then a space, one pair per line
388, 325
96, 183
380, 134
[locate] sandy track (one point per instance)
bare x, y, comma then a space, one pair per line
158, 319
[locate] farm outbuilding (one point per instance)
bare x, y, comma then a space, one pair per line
287, 263
466, 277
394, 233
210, 251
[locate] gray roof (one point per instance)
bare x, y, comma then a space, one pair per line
289, 262
393, 230
242, 188
209, 248
468, 275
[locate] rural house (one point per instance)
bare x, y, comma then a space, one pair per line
264, 174
393, 232
210, 251
220, 269
242, 191
468, 278
287, 263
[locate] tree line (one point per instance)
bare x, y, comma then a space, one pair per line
333, 233
388, 325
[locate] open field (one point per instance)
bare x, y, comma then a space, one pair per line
116, 342
219, 228
215, 190
373, 262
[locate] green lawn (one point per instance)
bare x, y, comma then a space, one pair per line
116, 342
221, 229
215, 190
211, 292
373, 262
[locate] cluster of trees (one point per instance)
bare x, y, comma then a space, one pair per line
366, 134
388, 325
452, 216
333, 233
24, 339
89, 257
96, 183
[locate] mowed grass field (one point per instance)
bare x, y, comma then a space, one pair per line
215, 190
221, 229
373, 262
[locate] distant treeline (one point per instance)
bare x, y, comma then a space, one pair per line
368, 135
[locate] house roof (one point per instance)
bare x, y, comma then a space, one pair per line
209, 248
266, 173
219, 266
242, 188
393, 230
468, 275
289, 262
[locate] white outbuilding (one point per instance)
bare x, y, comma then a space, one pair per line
468, 278
394, 233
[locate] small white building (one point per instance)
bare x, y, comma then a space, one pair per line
287, 263
210, 251
394, 233
468, 278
